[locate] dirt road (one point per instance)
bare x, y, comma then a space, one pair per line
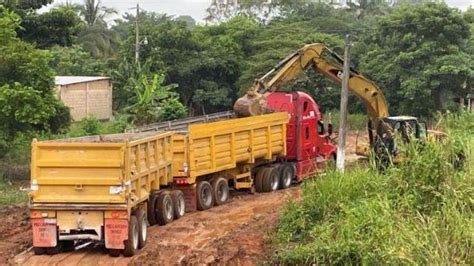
235, 233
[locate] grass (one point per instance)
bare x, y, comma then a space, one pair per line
10, 194
421, 212
354, 121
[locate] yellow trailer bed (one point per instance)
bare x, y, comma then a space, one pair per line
214, 147
226, 151
89, 187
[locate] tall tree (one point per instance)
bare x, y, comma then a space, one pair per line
58, 26
418, 56
96, 37
27, 99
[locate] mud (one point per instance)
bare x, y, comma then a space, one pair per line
15, 232
235, 233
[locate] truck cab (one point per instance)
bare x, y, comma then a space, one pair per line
308, 144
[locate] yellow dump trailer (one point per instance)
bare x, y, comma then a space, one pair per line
108, 188
213, 156
98, 188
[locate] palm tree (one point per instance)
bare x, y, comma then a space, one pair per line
96, 37
93, 12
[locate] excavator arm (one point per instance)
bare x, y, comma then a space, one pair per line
323, 60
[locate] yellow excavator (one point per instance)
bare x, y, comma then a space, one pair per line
381, 126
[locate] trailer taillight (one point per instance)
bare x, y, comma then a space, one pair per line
181, 181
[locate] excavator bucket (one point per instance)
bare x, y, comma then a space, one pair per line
250, 105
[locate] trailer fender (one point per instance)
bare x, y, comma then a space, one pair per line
45, 233
116, 232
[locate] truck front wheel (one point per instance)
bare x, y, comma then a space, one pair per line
131, 244
205, 199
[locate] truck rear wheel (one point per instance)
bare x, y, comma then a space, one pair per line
270, 179
164, 210
259, 179
220, 189
286, 175
151, 209
39, 250
114, 252
142, 228
205, 199
131, 244
179, 204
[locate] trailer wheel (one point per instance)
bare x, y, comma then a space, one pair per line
142, 228
164, 210
39, 250
151, 209
131, 244
114, 252
286, 175
270, 179
220, 189
54, 250
179, 203
205, 198
259, 179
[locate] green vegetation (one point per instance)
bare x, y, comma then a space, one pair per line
11, 194
421, 212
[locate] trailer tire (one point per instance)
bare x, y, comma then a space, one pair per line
164, 209
259, 179
151, 209
54, 250
179, 203
142, 228
220, 191
205, 199
39, 250
270, 179
286, 175
114, 252
131, 244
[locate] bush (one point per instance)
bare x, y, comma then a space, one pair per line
420, 212
90, 126
172, 109
354, 121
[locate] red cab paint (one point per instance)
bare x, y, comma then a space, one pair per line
308, 142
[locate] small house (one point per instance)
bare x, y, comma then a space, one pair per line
86, 96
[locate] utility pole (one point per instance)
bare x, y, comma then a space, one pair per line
137, 36
341, 149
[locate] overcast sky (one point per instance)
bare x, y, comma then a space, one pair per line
197, 8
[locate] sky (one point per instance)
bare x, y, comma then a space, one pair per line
197, 8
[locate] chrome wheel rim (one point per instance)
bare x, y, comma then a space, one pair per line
144, 227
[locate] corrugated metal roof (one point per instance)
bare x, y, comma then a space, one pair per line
67, 80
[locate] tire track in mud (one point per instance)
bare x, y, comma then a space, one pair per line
235, 233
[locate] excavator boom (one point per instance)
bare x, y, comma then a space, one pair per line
322, 60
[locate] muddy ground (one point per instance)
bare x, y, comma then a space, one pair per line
237, 233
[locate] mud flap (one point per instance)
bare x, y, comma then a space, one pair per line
116, 232
190, 197
45, 233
